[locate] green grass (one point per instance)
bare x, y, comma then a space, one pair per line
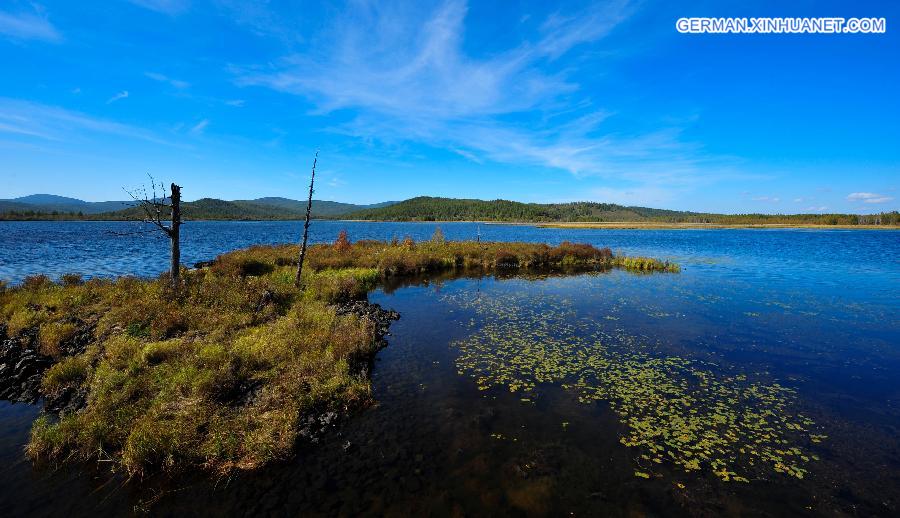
218, 373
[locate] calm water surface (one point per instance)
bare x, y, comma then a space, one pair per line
812, 311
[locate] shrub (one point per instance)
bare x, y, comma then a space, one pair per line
646, 264
504, 259
342, 243
438, 237
36, 282
72, 279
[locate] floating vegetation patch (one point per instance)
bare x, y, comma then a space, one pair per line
675, 410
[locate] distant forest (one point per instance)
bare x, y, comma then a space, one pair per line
450, 209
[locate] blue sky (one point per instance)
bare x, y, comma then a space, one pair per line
601, 101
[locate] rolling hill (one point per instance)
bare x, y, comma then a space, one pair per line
52, 202
449, 209
49, 206
423, 208
426, 208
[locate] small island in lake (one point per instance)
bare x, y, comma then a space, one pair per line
231, 365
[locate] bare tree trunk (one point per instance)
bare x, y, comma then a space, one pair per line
175, 233
306, 223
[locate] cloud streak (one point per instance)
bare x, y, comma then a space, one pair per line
169, 7
181, 85
407, 78
198, 128
119, 96
868, 197
33, 120
28, 26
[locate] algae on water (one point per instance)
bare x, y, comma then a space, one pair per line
676, 410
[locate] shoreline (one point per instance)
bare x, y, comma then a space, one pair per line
700, 226
614, 225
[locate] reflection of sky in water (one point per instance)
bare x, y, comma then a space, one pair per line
837, 363
860, 266
676, 410
814, 311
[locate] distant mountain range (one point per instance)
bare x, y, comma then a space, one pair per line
423, 208
41, 206
52, 202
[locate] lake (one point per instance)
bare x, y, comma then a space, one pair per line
773, 357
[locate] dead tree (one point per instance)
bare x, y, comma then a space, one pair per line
312, 180
163, 211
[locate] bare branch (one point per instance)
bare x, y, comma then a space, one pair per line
154, 209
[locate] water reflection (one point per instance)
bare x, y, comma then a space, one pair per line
773, 310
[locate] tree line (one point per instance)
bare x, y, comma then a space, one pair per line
449, 209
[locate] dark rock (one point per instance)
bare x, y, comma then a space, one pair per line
22, 367
204, 264
381, 318
69, 401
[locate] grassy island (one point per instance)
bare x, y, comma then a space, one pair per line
231, 368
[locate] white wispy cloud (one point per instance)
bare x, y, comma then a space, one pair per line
468, 155
261, 20
407, 77
170, 7
165, 79
28, 26
237, 103
198, 128
52, 123
561, 33
121, 95
868, 197
336, 182
821, 208
767, 199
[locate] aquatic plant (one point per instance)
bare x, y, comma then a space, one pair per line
676, 410
646, 264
